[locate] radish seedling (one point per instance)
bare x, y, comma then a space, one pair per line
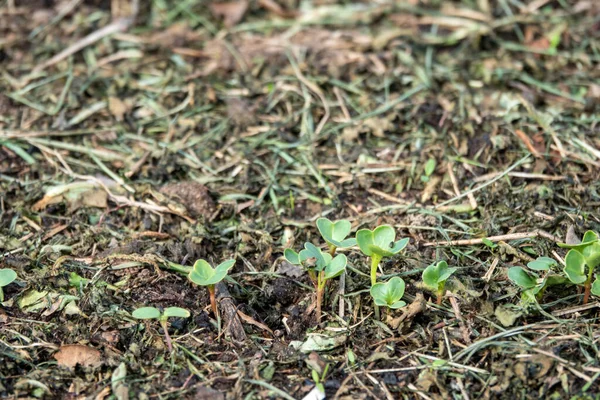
435, 277
532, 284
154, 313
377, 244
324, 267
389, 294
586, 253
335, 234
7, 276
204, 275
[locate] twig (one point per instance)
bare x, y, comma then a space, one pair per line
511, 236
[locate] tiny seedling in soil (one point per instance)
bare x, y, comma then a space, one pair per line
532, 284
7, 276
377, 244
203, 274
586, 253
435, 277
389, 294
334, 233
154, 313
325, 267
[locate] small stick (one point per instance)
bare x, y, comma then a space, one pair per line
454, 181
511, 236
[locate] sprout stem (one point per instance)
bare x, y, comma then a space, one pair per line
375, 259
163, 323
213, 300
588, 284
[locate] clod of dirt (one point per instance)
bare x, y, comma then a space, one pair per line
72, 354
284, 291
193, 195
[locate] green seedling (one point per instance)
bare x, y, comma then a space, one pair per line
435, 277
580, 256
7, 276
203, 274
335, 234
532, 283
323, 268
389, 294
377, 244
154, 313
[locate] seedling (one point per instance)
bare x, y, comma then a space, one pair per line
389, 294
154, 313
335, 234
324, 267
586, 253
7, 276
204, 275
532, 284
435, 277
377, 244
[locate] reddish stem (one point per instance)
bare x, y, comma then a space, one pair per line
213, 300
586, 295
163, 323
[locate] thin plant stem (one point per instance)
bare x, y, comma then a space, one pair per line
588, 284
163, 323
375, 259
213, 300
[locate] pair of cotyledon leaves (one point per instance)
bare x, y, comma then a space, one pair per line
379, 241
154, 313
436, 275
333, 266
204, 275
389, 294
581, 254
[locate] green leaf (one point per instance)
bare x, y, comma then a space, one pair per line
176, 312
364, 238
541, 264
430, 166
336, 266
436, 275
203, 274
291, 256
575, 268
591, 253
596, 288
388, 294
522, 278
380, 241
588, 238
7, 275
335, 233
146, 313
489, 243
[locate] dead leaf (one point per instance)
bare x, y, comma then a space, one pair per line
193, 195
76, 195
231, 12
72, 354
117, 108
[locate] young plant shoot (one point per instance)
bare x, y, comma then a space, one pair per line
203, 274
532, 284
154, 313
323, 268
7, 276
435, 277
335, 234
389, 294
586, 253
377, 244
